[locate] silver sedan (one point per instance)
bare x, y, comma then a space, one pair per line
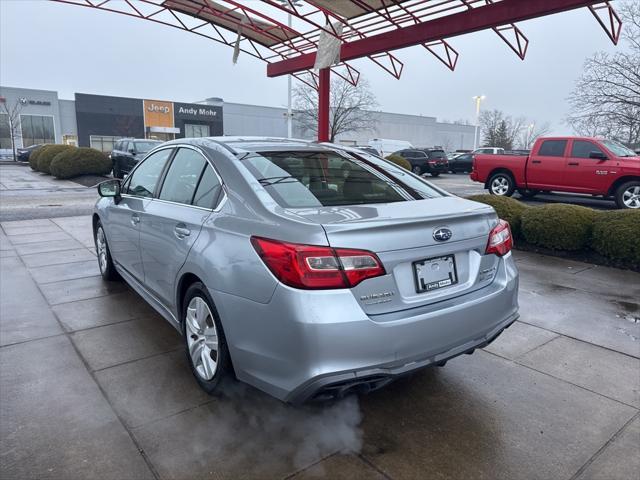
308, 271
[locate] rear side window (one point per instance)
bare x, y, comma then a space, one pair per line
208, 189
552, 148
582, 149
313, 179
144, 179
183, 176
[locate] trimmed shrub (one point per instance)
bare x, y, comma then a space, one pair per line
80, 161
558, 226
616, 235
33, 158
398, 160
47, 155
507, 208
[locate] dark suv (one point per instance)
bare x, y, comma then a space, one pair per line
127, 152
426, 160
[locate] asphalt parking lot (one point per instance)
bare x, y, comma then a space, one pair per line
94, 384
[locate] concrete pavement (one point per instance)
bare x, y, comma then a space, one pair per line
94, 384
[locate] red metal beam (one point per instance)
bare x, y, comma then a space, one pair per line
473, 20
323, 104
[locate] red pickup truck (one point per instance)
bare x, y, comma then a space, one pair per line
565, 164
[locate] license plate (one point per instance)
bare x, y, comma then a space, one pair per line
435, 273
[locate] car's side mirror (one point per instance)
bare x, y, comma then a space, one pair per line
132, 151
110, 188
598, 155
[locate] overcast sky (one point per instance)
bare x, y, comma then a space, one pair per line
70, 49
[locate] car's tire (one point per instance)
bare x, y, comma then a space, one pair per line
205, 343
527, 193
417, 170
435, 174
105, 262
628, 195
501, 184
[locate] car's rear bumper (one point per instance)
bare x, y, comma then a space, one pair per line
303, 344
437, 167
369, 379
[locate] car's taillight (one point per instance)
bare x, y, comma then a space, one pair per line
317, 267
500, 239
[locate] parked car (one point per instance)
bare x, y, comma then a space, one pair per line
426, 160
461, 163
386, 147
127, 152
308, 270
565, 164
489, 151
24, 153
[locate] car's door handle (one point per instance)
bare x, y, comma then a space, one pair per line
135, 219
181, 231
536, 161
573, 164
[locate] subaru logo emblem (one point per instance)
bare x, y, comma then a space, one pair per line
442, 234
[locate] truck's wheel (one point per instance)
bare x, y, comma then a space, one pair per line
526, 193
628, 195
501, 184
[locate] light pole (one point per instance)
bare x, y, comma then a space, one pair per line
291, 4
530, 129
478, 99
289, 114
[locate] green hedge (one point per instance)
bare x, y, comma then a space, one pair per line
398, 160
507, 208
33, 158
47, 155
80, 161
558, 226
616, 235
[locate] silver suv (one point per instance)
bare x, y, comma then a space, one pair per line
306, 270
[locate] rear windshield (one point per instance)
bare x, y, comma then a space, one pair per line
315, 179
435, 154
143, 147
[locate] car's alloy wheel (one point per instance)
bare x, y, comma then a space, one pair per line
206, 345
105, 262
501, 185
417, 170
202, 338
630, 197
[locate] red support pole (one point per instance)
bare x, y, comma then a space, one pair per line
323, 104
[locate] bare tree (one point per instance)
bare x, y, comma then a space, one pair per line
530, 132
350, 107
606, 98
13, 121
504, 131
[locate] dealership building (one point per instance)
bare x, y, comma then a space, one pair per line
98, 121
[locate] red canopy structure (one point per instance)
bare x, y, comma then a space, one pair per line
363, 28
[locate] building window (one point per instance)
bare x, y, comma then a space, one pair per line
36, 130
5, 131
104, 143
195, 131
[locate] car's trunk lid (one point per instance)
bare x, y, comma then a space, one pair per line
402, 235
